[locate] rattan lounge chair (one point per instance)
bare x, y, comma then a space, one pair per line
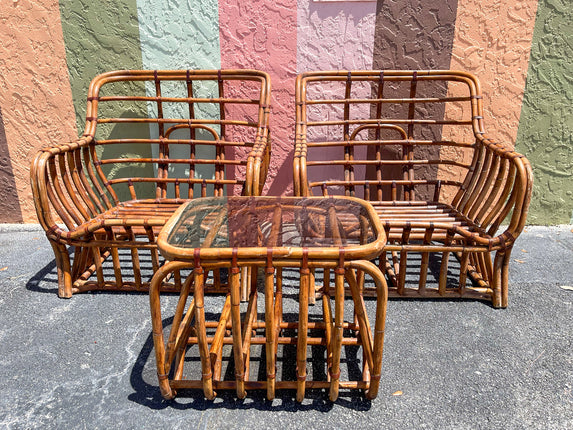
413, 143
153, 139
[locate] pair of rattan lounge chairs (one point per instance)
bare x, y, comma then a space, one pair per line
410, 142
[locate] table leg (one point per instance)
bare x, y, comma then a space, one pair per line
157, 326
338, 333
327, 316
216, 350
375, 347
302, 333
207, 377
234, 279
270, 329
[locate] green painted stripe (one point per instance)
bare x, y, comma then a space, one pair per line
545, 133
182, 36
102, 36
99, 36
179, 35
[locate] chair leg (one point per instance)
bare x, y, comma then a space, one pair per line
64, 270
498, 286
505, 278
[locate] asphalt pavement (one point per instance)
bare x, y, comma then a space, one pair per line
88, 362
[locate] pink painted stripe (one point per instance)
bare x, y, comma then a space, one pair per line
261, 34
335, 35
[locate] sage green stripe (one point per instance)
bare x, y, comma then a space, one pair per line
182, 36
545, 132
101, 36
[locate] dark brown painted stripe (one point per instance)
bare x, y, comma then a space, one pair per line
416, 35
9, 204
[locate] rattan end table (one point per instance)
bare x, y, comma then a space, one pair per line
234, 237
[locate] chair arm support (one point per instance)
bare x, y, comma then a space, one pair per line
519, 187
60, 186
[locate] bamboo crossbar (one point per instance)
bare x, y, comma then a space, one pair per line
176, 142
388, 142
178, 99
173, 121
385, 162
172, 161
388, 121
388, 100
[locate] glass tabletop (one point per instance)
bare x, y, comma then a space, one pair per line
249, 222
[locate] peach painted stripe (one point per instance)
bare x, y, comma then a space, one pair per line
493, 41
35, 94
261, 34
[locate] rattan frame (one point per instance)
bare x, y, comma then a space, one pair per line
70, 187
496, 188
349, 263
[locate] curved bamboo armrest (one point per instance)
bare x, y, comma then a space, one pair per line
63, 184
498, 183
258, 162
66, 183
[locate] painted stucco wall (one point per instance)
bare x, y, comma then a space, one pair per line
165, 29
51, 50
261, 34
546, 126
35, 95
492, 40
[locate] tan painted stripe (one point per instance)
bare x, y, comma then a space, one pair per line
35, 93
493, 41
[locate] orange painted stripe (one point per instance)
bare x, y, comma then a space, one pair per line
36, 99
493, 41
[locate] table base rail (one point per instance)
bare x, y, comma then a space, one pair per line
204, 336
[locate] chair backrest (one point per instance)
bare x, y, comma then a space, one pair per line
177, 134
386, 135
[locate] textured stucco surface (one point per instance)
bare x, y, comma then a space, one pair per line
335, 35
99, 37
416, 34
35, 97
261, 34
9, 204
40, 94
181, 36
546, 125
492, 40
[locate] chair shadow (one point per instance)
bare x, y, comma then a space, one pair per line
48, 276
148, 395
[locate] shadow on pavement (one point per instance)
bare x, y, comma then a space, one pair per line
149, 395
